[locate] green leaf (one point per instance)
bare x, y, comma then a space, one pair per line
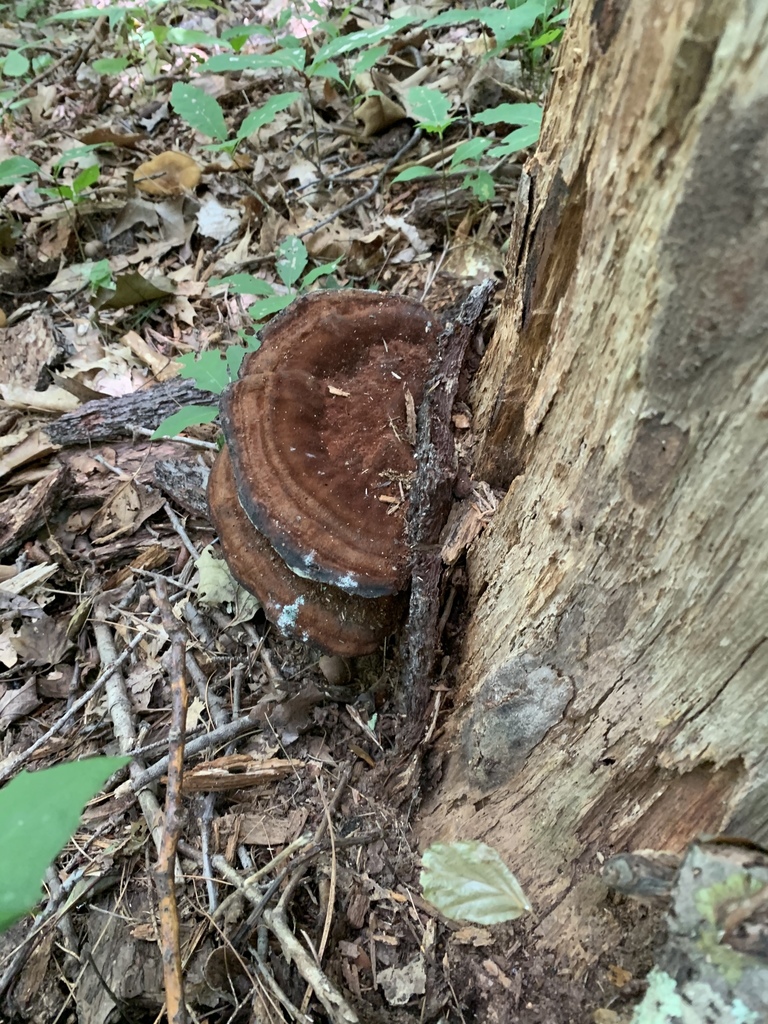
189, 416
110, 65
236, 354
85, 179
471, 149
263, 308
99, 275
70, 156
468, 881
321, 271
367, 60
481, 185
244, 284
325, 69
266, 113
208, 370
430, 108
545, 39
291, 260
522, 138
508, 25
413, 172
448, 18
15, 64
510, 113
39, 812
199, 110
366, 37
16, 169
83, 15
285, 58
238, 35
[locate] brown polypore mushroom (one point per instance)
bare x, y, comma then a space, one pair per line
317, 428
310, 494
338, 622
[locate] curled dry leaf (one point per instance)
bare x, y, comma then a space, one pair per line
377, 113
168, 174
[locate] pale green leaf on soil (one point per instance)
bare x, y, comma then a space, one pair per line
189, 416
199, 110
217, 586
39, 812
16, 64
291, 260
468, 881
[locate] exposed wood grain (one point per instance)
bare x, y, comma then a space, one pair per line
615, 679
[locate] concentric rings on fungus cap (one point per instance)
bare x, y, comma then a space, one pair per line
317, 432
337, 622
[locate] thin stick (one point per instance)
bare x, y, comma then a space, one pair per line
354, 203
10, 769
170, 941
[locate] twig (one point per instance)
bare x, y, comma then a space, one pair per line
354, 203
119, 707
219, 736
9, 770
193, 441
164, 873
331, 890
179, 528
430, 503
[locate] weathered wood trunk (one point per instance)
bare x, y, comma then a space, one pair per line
614, 688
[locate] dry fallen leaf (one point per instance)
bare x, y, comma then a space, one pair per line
168, 174
378, 112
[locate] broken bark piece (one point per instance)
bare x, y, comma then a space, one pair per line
108, 419
22, 515
317, 429
337, 622
431, 502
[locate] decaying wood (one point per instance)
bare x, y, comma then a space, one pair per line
615, 676
185, 481
111, 418
430, 501
22, 515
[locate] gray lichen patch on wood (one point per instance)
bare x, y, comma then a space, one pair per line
513, 708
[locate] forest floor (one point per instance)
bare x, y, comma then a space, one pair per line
295, 786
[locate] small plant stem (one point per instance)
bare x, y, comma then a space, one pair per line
445, 186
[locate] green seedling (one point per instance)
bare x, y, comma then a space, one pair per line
213, 371
204, 113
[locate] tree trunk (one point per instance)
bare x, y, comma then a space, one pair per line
614, 688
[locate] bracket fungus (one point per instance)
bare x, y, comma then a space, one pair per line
309, 496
